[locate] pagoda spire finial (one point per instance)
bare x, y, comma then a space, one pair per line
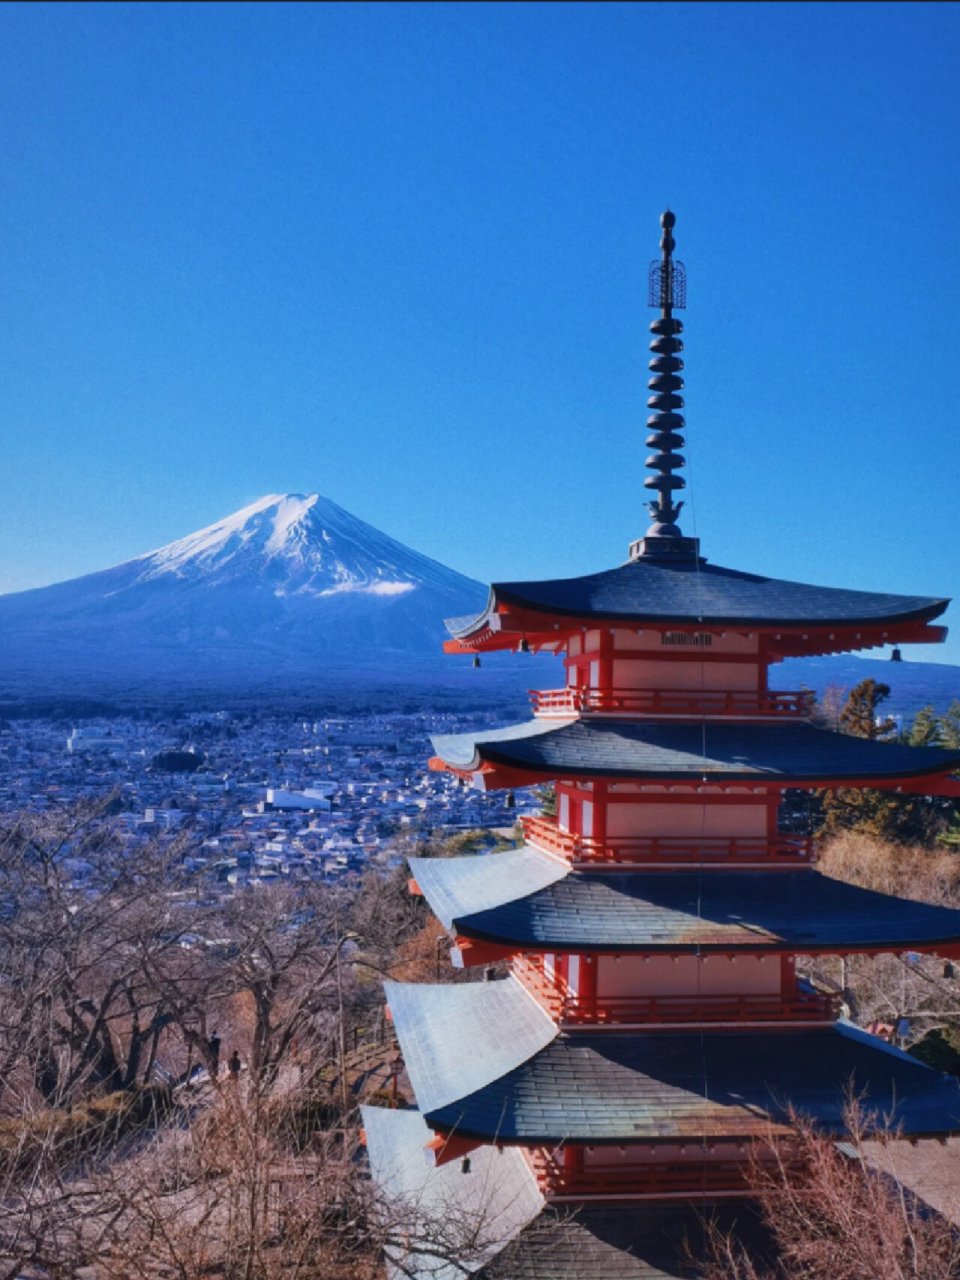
667, 292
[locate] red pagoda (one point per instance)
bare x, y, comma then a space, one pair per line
653, 1027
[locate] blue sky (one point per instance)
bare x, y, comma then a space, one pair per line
397, 254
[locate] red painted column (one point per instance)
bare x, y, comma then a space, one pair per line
788, 977
600, 800
773, 809
606, 661
588, 985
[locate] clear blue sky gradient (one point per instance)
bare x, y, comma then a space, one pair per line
398, 254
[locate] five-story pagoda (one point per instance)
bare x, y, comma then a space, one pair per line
653, 1028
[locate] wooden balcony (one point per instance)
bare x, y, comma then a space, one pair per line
734, 704
805, 1006
676, 1180
784, 850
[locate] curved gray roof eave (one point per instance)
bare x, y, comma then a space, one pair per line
685, 912
489, 1205
455, 1039
455, 886
691, 749
688, 592
661, 1086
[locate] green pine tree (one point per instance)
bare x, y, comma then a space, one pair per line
950, 726
925, 730
878, 813
860, 717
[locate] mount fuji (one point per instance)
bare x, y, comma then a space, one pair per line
289, 587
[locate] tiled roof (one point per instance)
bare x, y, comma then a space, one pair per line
489, 897
661, 1086
457, 1038
663, 591
498, 1208
434, 1211
459, 886
626, 1242
684, 750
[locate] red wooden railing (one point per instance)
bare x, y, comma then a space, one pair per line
783, 849
674, 702
802, 1006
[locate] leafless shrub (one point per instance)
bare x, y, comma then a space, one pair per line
115, 970
834, 1215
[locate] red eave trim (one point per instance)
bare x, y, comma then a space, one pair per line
496, 776
446, 1147
780, 640
483, 952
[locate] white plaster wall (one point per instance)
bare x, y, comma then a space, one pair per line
686, 819
586, 818
563, 811
661, 673
664, 976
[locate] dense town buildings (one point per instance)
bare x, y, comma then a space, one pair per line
274, 795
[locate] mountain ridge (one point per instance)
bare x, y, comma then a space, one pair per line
285, 582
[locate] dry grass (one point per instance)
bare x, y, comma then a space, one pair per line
901, 870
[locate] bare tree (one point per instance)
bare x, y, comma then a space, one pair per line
833, 1212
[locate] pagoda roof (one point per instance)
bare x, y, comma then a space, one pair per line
498, 1203
688, 750
647, 1087
475, 1213
457, 887
525, 900
498, 1024
628, 1241
696, 592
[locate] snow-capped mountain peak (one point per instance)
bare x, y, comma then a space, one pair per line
274, 514
302, 544
291, 583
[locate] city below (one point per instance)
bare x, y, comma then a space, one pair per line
252, 798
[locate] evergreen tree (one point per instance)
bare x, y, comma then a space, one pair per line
860, 715
878, 813
950, 726
925, 730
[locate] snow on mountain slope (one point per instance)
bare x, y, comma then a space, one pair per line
304, 544
285, 583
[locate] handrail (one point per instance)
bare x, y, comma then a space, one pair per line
783, 849
732, 702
